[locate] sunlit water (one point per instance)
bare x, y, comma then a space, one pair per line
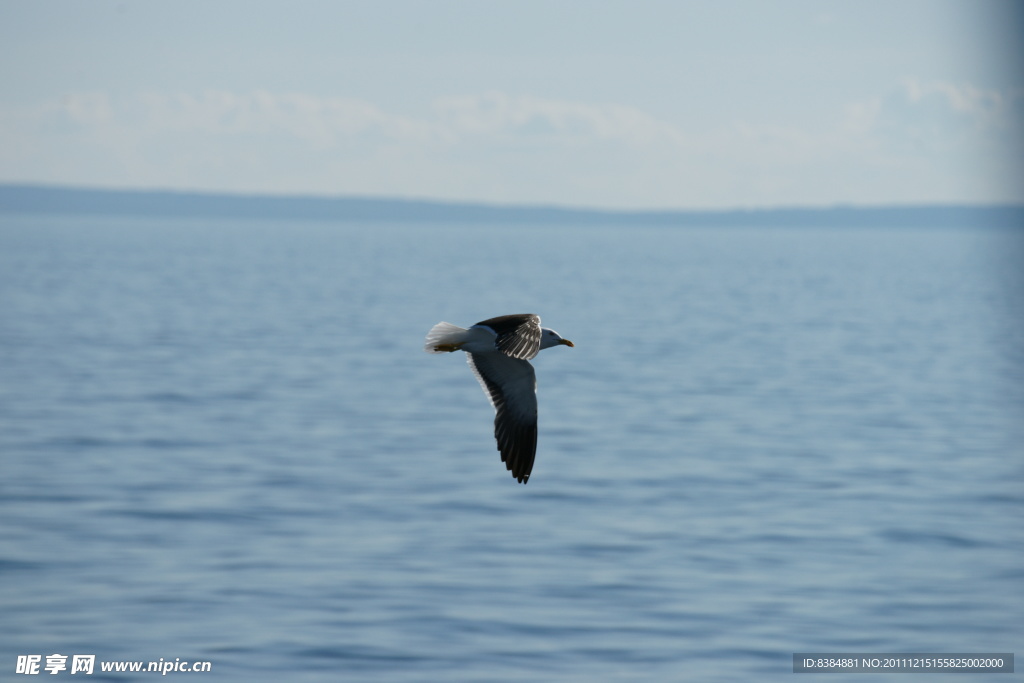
223, 442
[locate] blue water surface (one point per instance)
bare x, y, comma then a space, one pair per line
222, 441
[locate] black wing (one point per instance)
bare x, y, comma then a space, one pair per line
511, 386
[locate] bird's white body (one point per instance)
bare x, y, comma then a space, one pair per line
475, 339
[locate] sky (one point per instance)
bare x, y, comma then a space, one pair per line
624, 104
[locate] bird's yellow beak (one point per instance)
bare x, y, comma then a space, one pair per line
566, 342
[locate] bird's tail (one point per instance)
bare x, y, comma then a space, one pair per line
445, 338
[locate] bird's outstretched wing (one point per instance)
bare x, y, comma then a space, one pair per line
511, 386
517, 336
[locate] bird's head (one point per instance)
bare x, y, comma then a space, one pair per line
549, 338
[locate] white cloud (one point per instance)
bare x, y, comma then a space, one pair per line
471, 119
496, 113
946, 107
920, 142
941, 141
321, 121
491, 146
965, 99
87, 109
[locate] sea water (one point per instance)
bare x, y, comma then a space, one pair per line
222, 442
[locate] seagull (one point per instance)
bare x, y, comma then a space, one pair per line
499, 352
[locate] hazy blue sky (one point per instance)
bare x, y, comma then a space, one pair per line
613, 103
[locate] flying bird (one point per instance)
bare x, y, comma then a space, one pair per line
499, 352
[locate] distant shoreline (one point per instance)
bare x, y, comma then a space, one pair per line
52, 199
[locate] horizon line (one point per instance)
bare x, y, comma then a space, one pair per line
42, 198
493, 204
